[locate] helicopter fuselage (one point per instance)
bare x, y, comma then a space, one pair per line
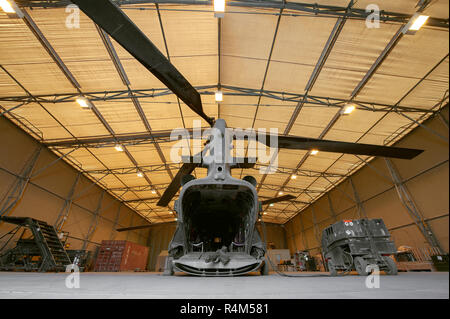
216, 231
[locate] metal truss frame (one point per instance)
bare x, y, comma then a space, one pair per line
228, 90
290, 8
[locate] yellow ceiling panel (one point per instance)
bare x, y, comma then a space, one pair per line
8, 87
386, 128
42, 122
162, 112
441, 72
288, 77
312, 120
320, 162
242, 72
238, 111
290, 158
139, 77
121, 115
198, 70
427, 95
301, 181
351, 127
357, 47
300, 40
112, 158
242, 36
94, 74
40, 78
18, 45
337, 83
416, 55
79, 121
88, 44
145, 154
193, 34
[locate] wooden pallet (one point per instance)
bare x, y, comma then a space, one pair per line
415, 266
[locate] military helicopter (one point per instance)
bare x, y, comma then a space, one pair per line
216, 232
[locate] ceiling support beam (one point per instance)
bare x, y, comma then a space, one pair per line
161, 167
267, 66
168, 57
44, 42
411, 207
373, 69
65, 210
291, 8
326, 51
332, 211
17, 189
94, 222
361, 211
323, 101
116, 222
146, 188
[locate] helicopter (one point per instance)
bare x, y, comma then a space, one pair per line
216, 233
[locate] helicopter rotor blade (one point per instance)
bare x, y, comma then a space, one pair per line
133, 228
305, 143
113, 21
277, 199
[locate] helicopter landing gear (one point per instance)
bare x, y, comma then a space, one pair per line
264, 269
168, 269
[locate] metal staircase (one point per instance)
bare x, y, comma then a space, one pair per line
53, 256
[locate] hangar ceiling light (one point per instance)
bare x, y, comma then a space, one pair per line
83, 102
219, 96
11, 9
219, 8
349, 108
418, 22
6, 6
415, 23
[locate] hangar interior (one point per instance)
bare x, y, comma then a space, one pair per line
294, 66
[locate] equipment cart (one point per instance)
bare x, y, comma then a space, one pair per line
354, 244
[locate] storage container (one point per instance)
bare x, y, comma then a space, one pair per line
121, 255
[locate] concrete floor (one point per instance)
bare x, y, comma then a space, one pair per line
153, 285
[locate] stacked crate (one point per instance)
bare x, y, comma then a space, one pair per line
121, 255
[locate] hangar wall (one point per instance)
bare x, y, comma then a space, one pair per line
45, 195
425, 177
